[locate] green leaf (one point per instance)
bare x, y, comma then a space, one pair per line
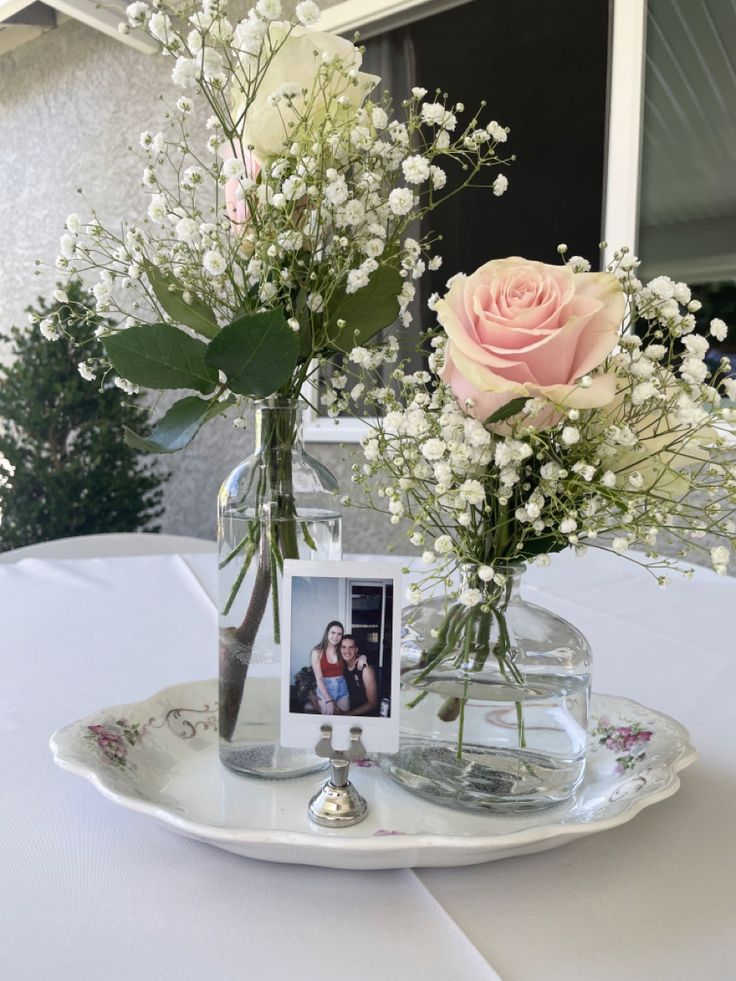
160, 356
257, 352
178, 426
170, 294
304, 338
506, 411
366, 312
545, 545
305, 341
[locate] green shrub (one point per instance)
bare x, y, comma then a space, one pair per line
74, 475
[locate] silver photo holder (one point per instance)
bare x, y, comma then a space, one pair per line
338, 804
340, 642
363, 599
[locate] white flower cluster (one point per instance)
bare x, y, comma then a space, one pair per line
621, 476
302, 192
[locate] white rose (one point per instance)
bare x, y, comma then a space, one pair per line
295, 65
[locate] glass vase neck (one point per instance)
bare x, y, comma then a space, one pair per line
278, 424
504, 585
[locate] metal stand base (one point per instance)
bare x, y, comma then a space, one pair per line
338, 804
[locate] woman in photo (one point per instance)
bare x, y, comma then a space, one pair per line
327, 664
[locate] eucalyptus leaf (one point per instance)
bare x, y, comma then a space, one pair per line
506, 411
170, 294
257, 352
160, 356
366, 312
178, 426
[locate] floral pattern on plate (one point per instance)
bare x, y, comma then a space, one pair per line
113, 739
628, 740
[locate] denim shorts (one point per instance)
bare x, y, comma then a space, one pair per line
337, 688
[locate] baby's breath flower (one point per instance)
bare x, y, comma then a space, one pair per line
401, 201
470, 597
137, 13
269, 9
416, 169
49, 329
214, 263
307, 12
500, 185
720, 558
185, 72
126, 386
414, 595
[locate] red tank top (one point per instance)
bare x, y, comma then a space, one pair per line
330, 670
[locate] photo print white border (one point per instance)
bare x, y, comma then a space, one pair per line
379, 735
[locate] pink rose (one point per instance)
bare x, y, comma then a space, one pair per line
519, 328
235, 205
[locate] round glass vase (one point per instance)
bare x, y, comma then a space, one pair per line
278, 504
494, 710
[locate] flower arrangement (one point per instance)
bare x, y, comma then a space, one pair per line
275, 235
280, 194
561, 408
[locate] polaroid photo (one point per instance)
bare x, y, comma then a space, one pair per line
340, 636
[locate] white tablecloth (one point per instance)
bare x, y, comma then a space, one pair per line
90, 890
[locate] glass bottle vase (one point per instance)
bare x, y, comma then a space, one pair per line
494, 700
278, 504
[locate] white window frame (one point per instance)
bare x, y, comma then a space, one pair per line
623, 133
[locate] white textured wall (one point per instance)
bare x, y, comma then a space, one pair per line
71, 101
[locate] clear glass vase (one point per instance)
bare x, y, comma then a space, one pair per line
278, 504
494, 701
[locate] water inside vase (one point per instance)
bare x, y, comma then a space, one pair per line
252, 746
523, 746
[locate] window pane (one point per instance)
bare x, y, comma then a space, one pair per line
543, 69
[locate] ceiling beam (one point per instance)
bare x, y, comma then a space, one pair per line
34, 15
8, 8
371, 17
105, 18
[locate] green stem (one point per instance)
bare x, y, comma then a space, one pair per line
275, 597
236, 650
505, 657
308, 540
415, 701
241, 572
461, 726
235, 551
520, 724
463, 639
274, 535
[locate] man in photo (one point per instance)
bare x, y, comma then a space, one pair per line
360, 678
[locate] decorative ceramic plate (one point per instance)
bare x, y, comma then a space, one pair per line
160, 757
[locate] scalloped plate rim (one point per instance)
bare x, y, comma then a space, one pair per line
420, 842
